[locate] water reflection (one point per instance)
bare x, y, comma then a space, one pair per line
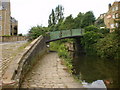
93, 69
96, 84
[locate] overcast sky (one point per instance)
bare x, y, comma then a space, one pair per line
36, 12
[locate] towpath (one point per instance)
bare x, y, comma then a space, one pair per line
50, 73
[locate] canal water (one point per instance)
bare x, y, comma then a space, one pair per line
94, 72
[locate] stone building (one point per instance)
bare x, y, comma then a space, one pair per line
8, 25
14, 26
112, 16
100, 21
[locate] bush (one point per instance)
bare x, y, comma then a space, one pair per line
36, 32
91, 28
91, 37
104, 30
108, 47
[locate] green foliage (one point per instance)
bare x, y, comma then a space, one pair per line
102, 43
88, 19
109, 47
88, 41
90, 37
56, 16
78, 20
68, 23
117, 29
59, 13
51, 28
104, 31
62, 50
36, 32
20, 34
57, 22
91, 28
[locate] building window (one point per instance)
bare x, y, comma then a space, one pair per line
113, 9
0, 28
0, 17
116, 15
116, 24
113, 16
117, 8
112, 26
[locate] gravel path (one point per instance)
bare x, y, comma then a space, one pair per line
50, 73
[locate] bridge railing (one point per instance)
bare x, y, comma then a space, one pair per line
55, 35
66, 33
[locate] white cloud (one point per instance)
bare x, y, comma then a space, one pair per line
33, 12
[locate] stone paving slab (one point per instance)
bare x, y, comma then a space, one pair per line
49, 73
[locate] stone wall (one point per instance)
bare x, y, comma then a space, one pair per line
12, 38
24, 62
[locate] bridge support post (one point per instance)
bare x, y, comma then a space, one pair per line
78, 47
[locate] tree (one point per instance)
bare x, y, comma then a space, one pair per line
78, 20
56, 16
117, 29
90, 38
68, 23
91, 28
36, 31
20, 34
52, 18
59, 13
49, 21
88, 19
108, 47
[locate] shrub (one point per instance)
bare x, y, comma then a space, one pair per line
108, 47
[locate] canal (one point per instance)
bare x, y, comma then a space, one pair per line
95, 72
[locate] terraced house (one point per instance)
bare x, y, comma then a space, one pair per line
112, 16
8, 25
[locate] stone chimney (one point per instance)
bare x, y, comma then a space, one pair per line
109, 6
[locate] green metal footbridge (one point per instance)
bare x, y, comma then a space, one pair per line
57, 35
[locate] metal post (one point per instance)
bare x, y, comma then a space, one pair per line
71, 31
60, 34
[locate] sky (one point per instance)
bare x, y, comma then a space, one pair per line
31, 13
